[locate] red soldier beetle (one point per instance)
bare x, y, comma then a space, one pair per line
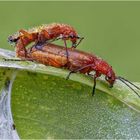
45, 33
79, 61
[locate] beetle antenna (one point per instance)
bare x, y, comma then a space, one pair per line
14, 59
130, 82
125, 82
81, 38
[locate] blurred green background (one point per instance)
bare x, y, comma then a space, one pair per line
111, 29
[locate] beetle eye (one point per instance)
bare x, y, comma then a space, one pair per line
108, 78
71, 36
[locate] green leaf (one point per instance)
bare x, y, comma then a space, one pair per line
45, 105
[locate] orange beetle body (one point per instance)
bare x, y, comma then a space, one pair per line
42, 34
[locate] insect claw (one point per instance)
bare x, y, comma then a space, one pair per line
111, 86
68, 76
93, 92
94, 86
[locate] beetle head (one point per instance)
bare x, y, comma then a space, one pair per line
74, 39
12, 39
110, 77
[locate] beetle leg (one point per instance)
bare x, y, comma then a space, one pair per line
25, 39
91, 75
67, 54
48, 42
95, 76
26, 34
65, 44
68, 76
94, 86
39, 45
79, 69
20, 48
42, 37
80, 40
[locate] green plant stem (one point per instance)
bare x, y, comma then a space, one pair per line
119, 91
